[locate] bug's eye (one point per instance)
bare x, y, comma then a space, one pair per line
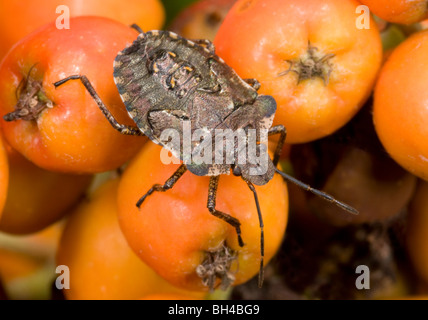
237, 171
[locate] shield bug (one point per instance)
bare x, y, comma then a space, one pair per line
171, 83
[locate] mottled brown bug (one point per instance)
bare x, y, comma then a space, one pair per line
165, 81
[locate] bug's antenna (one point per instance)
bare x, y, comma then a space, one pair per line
262, 237
137, 27
317, 192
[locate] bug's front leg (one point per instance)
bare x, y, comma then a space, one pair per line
262, 237
212, 194
168, 184
122, 128
279, 129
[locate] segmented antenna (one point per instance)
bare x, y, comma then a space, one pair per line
317, 192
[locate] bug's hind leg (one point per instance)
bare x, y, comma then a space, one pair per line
123, 129
212, 194
168, 184
279, 129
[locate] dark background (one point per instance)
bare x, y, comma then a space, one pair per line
173, 7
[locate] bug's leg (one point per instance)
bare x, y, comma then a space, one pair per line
253, 82
136, 27
205, 43
212, 193
168, 184
317, 192
262, 237
279, 129
123, 129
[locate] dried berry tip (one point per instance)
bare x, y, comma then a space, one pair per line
31, 100
312, 64
217, 265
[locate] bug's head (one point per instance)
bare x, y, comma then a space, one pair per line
258, 173
258, 168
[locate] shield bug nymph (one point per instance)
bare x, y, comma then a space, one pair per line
169, 82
